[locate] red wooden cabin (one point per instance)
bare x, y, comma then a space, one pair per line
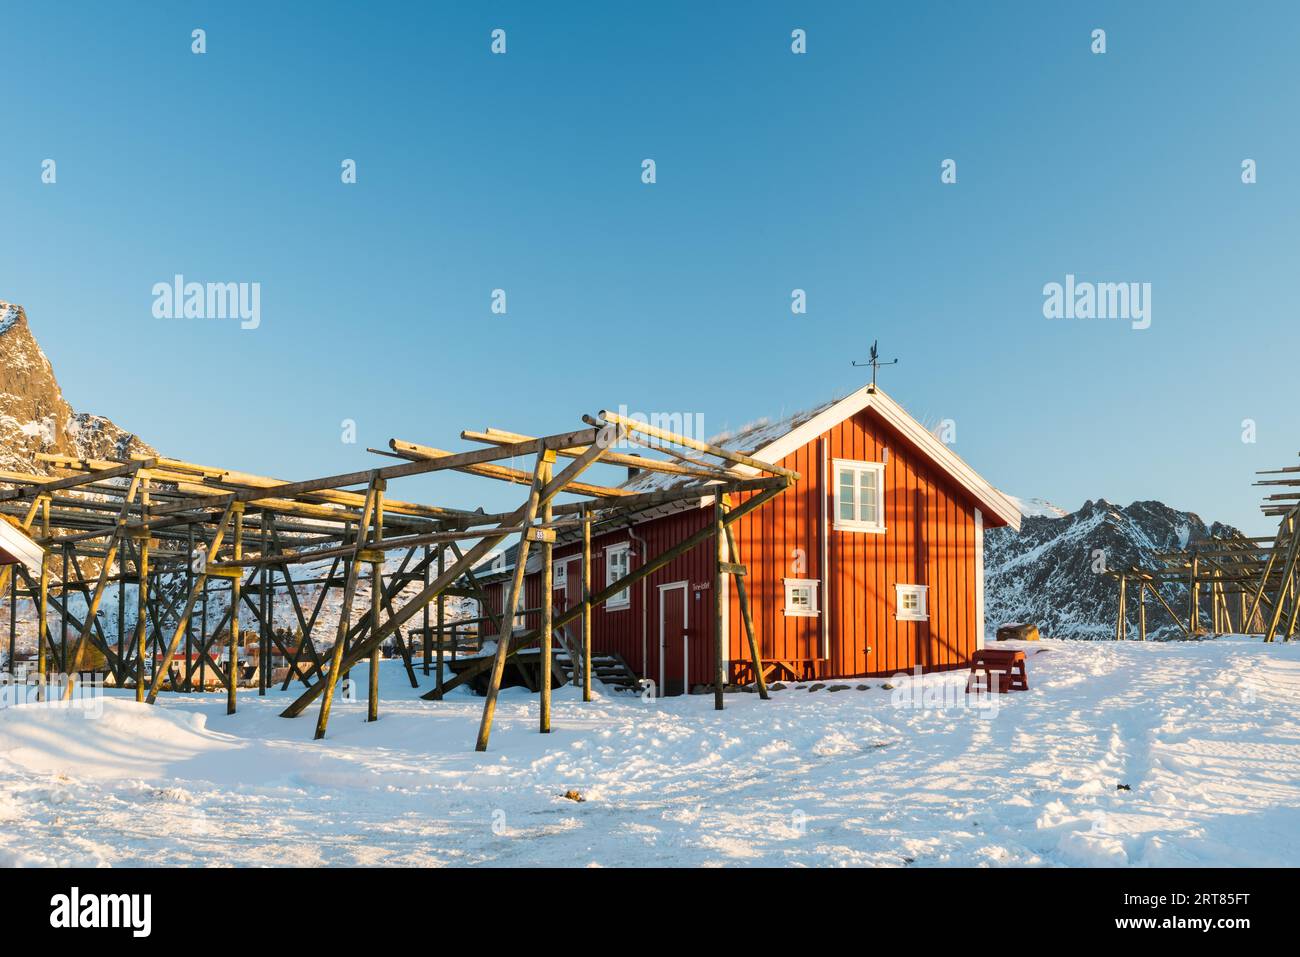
870, 565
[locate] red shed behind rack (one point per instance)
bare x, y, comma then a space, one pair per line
871, 564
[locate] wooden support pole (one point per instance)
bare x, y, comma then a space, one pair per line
586, 606
142, 600
189, 632
548, 600
42, 626
266, 624
672, 437
160, 673
1288, 574
442, 618
464, 566
1287, 524
232, 653
719, 608
428, 644
1142, 611
43, 614
1194, 597
63, 612
743, 594
92, 610
204, 641
376, 602
1119, 618
1295, 609
13, 621
345, 616
1173, 615
105, 569
627, 581
509, 609
121, 611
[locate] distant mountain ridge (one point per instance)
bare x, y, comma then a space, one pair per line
35, 417
1044, 573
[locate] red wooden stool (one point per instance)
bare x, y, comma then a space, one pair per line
1006, 664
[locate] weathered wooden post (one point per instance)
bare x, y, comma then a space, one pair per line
1119, 609
586, 605
428, 645
13, 620
719, 609
204, 641
236, 583
442, 618
265, 628
548, 600
43, 620
142, 611
63, 614
121, 605
189, 583
738, 573
345, 616
512, 602
1194, 596
1142, 611
376, 599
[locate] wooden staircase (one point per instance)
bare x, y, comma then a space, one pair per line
609, 669
566, 666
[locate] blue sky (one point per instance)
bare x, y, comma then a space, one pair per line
775, 172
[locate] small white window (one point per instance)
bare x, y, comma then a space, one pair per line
911, 602
519, 622
801, 597
617, 565
859, 496
560, 575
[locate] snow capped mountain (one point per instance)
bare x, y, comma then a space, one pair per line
1047, 572
34, 416
1037, 507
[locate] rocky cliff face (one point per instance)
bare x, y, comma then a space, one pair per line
1046, 574
34, 416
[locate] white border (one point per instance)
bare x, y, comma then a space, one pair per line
921, 591
815, 611
610, 604
856, 524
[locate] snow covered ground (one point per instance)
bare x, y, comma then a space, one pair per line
1205, 735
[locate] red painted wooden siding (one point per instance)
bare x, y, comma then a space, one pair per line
929, 540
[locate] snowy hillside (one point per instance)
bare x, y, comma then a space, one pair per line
1045, 573
34, 416
1179, 753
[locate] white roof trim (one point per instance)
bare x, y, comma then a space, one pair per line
14, 541
914, 431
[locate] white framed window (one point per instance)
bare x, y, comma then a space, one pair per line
801, 597
519, 622
560, 575
911, 602
859, 496
617, 564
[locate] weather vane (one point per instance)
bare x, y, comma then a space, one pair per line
875, 362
